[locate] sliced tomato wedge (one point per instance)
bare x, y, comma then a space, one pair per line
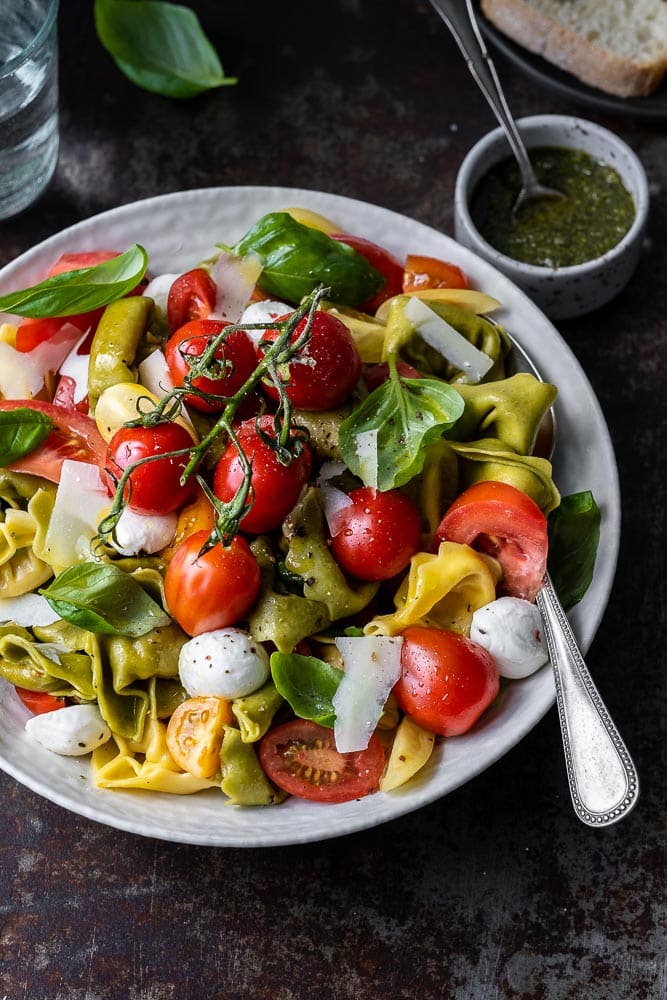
430, 272
40, 702
301, 758
74, 436
503, 521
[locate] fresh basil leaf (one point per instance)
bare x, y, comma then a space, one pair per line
574, 534
407, 414
100, 597
307, 684
80, 291
297, 259
21, 431
160, 47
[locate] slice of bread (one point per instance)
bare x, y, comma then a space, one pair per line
619, 46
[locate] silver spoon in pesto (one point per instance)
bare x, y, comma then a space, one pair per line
603, 780
465, 30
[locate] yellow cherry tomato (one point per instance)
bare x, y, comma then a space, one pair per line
126, 401
194, 734
194, 516
313, 219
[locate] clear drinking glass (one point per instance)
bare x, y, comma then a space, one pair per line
28, 101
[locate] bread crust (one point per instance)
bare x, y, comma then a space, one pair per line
592, 64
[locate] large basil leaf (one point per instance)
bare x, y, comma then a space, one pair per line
307, 684
80, 291
574, 533
21, 431
407, 415
297, 259
101, 598
160, 47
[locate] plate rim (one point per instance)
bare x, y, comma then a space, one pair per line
387, 806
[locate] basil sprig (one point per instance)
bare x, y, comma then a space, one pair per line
407, 415
307, 684
21, 431
574, 533
297, 258
102, 598
160, 47
80, 291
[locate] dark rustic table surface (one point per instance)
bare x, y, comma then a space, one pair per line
496, 890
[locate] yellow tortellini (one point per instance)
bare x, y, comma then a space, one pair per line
26, 503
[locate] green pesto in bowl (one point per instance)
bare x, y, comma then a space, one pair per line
593, 217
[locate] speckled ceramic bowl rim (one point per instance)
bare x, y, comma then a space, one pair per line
485, 150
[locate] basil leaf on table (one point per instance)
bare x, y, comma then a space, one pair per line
407, 414
297, 259
307, 684
161, 47
80, 291
574, 533
21, 431
102, 598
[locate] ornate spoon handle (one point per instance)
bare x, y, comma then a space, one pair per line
602, 777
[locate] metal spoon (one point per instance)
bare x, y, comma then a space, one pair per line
465, 30
602, 778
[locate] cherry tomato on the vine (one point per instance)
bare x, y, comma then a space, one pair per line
446, 681
429, 272
212, 590
154, 487
275, 487
324, 373
301, 758
377, 534
235, 358
503, 521
192, 296
389, 267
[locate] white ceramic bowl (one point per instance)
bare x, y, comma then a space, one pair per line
566, 291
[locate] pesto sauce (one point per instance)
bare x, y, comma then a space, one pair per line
594, 216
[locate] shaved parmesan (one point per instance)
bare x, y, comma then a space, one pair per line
154, 374
367, 451
235, 279
22, 373
334, 502
81, 500
158, 291
372, 666
28, 609
447, 341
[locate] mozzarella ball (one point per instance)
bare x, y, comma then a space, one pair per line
510, 628
147, 533
266, 311
71, 731
226, 662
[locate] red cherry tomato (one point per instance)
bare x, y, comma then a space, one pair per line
213, 590
506, 523
326, 370
74, 436
236, 358
154, 487
301, 758
446, 680
40, 702
377, 534
429, 272
275, 488
389, 267
191, 296
376, 374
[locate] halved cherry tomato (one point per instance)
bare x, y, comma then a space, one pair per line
191, 296
194, 734
235, 357
213, 590
377, 534
446, 681
154, 487
503, 521
275, 487
389, 267
301, 758
429, 272
324, 373
75, 436
40, 702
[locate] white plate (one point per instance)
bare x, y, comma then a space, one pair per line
178, 230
